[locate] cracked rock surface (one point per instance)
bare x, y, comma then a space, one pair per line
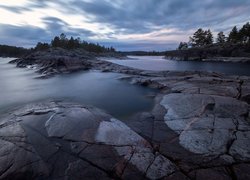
198, 129
55, 140
200, 123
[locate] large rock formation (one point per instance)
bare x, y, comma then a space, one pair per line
201, 122
68, 141
58, 60
198, 129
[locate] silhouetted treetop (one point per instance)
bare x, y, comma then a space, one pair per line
13, 51
221, 38
203, 38
63, 42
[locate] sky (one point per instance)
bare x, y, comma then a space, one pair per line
126, 25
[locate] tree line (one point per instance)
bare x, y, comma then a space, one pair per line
73, 43
12, 51
203, 38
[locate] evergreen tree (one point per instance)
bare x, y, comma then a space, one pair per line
182, 46
244, 33
197, 40
234, 35
42, 46
71, 43
201, 38
208, 39
63, 42
221, 38
56, 42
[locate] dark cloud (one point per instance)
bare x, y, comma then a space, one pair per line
30, 35
56, 26
132, 17
22, 35
143, 16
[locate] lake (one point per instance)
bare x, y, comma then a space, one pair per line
103, 90
157, 63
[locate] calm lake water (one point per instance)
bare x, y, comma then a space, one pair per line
159, 64
102, 90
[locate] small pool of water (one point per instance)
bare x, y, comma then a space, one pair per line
103, 90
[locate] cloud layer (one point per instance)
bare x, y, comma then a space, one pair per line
125, 24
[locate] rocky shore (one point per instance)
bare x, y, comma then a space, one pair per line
213, 53
198, 129
58, 60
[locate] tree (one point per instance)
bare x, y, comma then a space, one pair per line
63, 37
201, 38
56, 42
42, 46
71, 43
221, 38
182, 46
197, 39
234, 35
208, 39
244, 33
112, 49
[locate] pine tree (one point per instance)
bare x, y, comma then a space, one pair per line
182, 46
244, 33
56, 42
208, 39
221, 38
198, 39
234, 35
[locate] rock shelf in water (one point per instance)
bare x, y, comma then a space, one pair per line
198, 129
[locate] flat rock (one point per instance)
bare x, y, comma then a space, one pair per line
62, 140
209, 124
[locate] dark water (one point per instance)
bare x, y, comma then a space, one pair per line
159, 64
103, 90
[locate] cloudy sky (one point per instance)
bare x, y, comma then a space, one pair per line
124, 24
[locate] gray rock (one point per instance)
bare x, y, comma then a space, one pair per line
54, 139
209, 124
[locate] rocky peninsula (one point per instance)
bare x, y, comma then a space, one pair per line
199, 128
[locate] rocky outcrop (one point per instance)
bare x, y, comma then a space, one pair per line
61, 140
58, 60
200, 122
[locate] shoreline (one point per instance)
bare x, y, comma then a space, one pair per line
211, 59
200, 124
